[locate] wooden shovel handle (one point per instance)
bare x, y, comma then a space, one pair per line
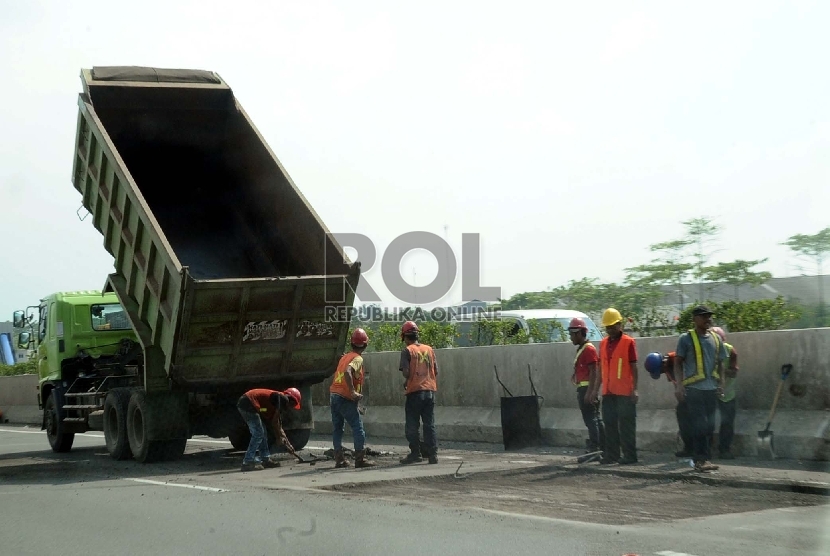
775, 402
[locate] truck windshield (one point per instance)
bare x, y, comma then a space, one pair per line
109, 316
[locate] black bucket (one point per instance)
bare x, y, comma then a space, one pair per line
520, 425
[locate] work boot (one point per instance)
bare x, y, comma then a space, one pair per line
433, 456
705, 466
413, 457
252, 466
270, 462
361, 461
340, 461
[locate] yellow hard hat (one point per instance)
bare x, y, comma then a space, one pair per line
611, 317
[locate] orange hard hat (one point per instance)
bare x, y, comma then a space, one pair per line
577, 323
295, 397
359, 338
408, 327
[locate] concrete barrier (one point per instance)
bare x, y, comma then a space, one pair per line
469, 397
18, 399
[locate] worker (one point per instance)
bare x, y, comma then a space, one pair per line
586, 379
345, 393
420, 370
698, 372
726, 402
257, 407
618, 361
658, 365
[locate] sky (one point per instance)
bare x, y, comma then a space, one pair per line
569, 135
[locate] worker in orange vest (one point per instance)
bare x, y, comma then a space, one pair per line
587, 382
420, 370
618, 361
344, 394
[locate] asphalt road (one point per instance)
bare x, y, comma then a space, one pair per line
85, 503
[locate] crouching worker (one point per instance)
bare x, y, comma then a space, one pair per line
260, 406
345, 393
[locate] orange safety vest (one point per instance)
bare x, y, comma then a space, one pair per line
339, 385
617, 377
422, 369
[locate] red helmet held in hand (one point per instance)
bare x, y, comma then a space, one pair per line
359, 338
409, 327
295, 397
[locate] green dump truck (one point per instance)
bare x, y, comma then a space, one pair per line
224, 274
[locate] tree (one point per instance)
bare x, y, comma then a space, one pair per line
669, 269
815, 249
743, 316
737, 273
529, 300
701, 233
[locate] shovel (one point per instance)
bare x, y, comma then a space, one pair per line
589, 457
766, 440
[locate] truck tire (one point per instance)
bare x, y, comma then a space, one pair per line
59, 441
115, 423
298, 438
173, 449
139, 421
240, 437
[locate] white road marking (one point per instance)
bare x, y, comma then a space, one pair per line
670, 553
163, 483
521, 461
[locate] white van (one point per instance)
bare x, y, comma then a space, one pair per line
521, 317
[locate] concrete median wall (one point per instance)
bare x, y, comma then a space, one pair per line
18, 399
469, 396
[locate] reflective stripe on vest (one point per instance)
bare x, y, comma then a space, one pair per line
700, 374
339, 385
578, 353
422, 375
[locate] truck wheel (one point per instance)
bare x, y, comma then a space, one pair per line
173, 449
59, 441
240, 437
298, 437
138, 425
115, 423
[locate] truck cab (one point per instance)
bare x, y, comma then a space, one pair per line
84, 345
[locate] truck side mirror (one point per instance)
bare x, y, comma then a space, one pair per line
17, 319
24, 340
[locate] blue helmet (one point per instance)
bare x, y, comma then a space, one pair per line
654, 365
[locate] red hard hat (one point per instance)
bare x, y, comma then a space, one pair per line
577, 323
295, 396
359, 338
408, 328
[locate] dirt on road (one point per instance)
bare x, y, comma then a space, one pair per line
581, 496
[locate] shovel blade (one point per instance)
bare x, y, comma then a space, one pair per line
766, 444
